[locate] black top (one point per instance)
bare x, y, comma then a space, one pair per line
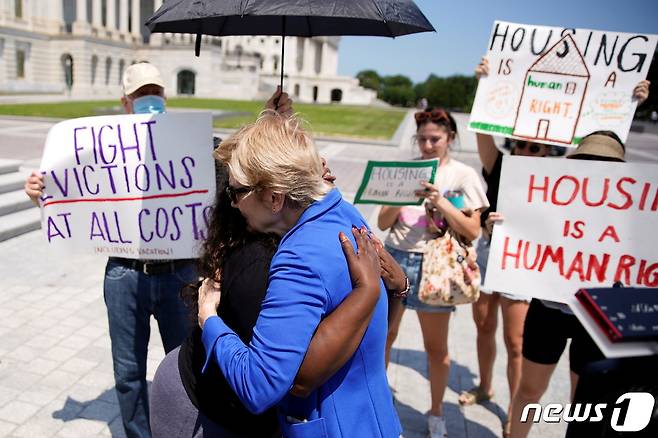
493, 181
245, 275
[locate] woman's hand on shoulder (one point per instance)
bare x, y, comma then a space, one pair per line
394, 278
209, 298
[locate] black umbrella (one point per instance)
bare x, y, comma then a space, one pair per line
304, 18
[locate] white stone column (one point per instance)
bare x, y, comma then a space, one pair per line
156, 38
136, 22
326, 60
309, 56
55, 16
81, 25
97, 15
123, 18
111, 6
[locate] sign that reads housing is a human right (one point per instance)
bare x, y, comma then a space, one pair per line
134, 186
570, 224
555, 85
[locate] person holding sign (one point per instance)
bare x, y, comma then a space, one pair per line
411, 230
542, 348
513, 307
275, 180
135, 289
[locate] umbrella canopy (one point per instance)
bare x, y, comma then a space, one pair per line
303, 18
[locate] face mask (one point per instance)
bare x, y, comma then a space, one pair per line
149, 105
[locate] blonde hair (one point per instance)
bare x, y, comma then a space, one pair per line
276, 153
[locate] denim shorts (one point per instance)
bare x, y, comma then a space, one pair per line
412, 265
482, 247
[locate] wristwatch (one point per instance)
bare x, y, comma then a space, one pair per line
403, 293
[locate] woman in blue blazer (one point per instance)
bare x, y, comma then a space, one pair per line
276, 183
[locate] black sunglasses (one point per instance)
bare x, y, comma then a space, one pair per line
234, 194
533, 148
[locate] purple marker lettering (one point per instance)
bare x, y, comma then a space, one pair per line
75, 143
53, 227
161, 213
146, 212
187, 172
109, 174
86, 178
195, 227
146, 178
107, 229
151, 144
66, 221
101, 148
95, 224
63, 189
175, 222
116, 221
134, 146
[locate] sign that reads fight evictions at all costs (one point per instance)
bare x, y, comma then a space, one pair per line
394, 182
554, 85
570, 225
134, 186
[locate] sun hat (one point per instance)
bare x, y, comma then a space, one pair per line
599, 145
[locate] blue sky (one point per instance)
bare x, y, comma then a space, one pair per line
463, 28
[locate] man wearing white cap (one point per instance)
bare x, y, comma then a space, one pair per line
136, 289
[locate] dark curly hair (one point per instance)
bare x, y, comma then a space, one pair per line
227, 232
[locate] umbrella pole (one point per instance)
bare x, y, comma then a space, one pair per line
283, 51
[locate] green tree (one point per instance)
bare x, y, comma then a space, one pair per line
400, 95
369, 79
397, 81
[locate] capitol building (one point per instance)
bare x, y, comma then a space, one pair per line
81, 48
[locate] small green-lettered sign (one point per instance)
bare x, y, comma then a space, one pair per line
394, 182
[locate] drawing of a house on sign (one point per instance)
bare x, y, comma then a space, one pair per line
553, 95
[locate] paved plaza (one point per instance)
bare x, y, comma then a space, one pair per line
55, 361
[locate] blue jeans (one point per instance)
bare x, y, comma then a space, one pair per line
131, 297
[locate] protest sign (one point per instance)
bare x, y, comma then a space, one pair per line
571, 224
554, 85
134, 186
394, 182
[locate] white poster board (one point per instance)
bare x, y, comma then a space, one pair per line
394, 182
554, 85
571, 224
133, 186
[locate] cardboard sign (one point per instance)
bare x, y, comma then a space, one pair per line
394, 182
133, 186
571, 224
555, 85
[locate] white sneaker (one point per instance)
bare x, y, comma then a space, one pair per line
437, 426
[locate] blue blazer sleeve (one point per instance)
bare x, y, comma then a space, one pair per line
263, 372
